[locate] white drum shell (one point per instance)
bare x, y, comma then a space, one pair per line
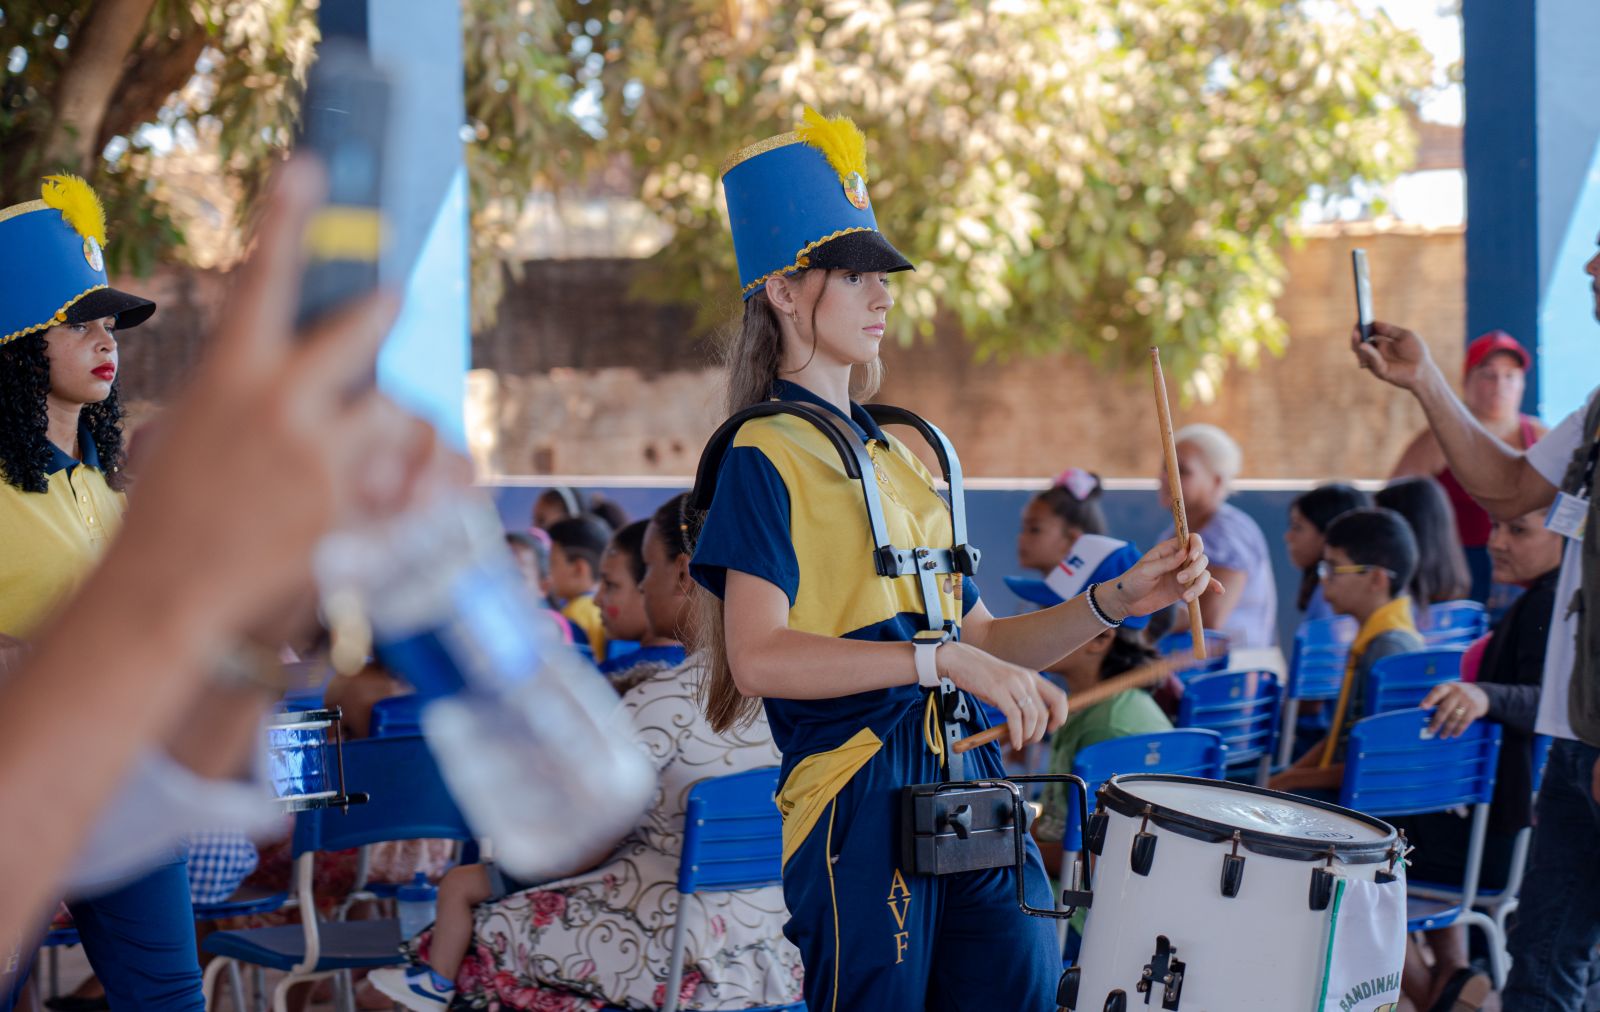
1261, 951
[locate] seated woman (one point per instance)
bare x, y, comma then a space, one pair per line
1442, 573
604, 934
1505, 689
1208, 462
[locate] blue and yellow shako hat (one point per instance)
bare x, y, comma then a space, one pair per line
52, 263
800, 200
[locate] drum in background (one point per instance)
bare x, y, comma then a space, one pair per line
305, 759
1215, 897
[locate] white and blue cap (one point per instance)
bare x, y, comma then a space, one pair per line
1094, 558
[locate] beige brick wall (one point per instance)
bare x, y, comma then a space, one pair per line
1309, 414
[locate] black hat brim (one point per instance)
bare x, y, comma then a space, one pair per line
868, 252
130, 310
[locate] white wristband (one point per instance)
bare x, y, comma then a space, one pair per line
927, 664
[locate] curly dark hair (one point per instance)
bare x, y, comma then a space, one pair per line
24, 443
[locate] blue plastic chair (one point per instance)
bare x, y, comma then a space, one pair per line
1393, 766
408, 800
1454, 623
396, 716
732, 839
1190, 752
1316, 672
1218, 646
1402, 681
1245, 708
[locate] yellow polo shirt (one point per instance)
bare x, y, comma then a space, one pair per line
50, 540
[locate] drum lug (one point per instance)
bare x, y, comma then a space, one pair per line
1116, 1001
1094, 839
1067, 990
1233, 870
1166, 970
1321, 888
1143, 853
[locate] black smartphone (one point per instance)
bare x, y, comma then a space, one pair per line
1358, 261
344, 122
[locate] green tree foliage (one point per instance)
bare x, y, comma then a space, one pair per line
1101, 175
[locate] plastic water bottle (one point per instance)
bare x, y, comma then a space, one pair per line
418, 904
531, 744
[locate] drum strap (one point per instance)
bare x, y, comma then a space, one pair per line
890, 561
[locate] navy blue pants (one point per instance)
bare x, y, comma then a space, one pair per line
874, 936
1558, 919
140, 940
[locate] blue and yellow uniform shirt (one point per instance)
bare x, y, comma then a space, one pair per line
50, 540
786, 511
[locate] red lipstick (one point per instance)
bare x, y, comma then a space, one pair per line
107, 372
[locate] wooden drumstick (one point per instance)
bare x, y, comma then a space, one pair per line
1180, 519
1147, 674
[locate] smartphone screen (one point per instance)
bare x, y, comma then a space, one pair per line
1358, 261
344, 122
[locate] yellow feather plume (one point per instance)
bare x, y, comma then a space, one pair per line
78, 204
839, 139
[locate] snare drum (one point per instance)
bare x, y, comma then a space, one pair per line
1218, 897
305, 759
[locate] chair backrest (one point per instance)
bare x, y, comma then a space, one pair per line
1393, 766
1316, 664
397, 715
407, 800
1401, 681
1218, 646
1242, 706
1189, 752
1454, 623
732, 833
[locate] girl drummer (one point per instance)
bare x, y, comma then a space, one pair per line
803, 622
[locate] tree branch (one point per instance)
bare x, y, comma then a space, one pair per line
89, 79
160, 66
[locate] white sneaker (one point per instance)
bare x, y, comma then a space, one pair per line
414, 987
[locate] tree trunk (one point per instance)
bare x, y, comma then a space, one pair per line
90, 79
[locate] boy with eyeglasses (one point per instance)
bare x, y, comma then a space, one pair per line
1368, 558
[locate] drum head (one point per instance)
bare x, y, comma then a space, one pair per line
1271, 819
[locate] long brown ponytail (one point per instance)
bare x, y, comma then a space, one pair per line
753, 353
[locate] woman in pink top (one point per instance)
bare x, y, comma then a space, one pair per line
1495, 375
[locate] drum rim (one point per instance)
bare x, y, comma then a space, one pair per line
1114, 795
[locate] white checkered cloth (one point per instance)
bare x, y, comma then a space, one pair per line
218, 862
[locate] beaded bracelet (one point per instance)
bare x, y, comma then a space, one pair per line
1094, 608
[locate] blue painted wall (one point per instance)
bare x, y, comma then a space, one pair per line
994, 516
1532, 147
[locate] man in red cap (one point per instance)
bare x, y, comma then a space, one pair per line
1495, 374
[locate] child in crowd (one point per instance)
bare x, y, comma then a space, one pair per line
1064, 538
576, 545
1442, 573
622, 611
531, 553
1309, 518
1368, 560
563, 503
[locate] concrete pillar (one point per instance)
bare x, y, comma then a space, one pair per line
1532, 150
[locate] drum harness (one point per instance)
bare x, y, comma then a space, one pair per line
955, 825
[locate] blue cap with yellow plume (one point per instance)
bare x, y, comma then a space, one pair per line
52, 264
800, 200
